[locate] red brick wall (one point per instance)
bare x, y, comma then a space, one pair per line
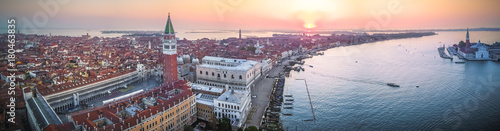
169, 68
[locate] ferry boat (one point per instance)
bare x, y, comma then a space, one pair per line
392, 85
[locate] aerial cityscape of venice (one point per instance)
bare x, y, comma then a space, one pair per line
249, 65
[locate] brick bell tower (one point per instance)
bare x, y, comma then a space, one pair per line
169, 57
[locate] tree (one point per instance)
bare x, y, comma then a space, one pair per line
240, 129
188, 128
251, 128
224, 124
251, 48
461, 44
497, 44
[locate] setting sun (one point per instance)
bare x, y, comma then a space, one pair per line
309, 26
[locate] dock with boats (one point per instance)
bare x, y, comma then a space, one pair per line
271, 118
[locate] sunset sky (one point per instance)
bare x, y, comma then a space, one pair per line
260, 14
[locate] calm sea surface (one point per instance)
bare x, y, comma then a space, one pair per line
350, 95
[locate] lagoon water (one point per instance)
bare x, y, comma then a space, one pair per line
350, 95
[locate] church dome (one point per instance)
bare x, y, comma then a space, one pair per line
196, 61
186, 58
180, 61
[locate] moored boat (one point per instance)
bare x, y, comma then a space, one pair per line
392, 85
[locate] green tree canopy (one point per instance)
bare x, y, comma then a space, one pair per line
251, 48
251, 128
461, 44
224, 124
188, 128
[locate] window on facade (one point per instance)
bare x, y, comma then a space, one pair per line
201, 72
166, 47
232, 76
173, 47
206, 72
241, 77
224, 75
218, 75
213, 74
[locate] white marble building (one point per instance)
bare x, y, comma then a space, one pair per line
238, 74
482, 51
234, 105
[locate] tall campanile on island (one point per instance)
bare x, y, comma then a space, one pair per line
169, 56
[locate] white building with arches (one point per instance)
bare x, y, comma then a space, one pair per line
238, 74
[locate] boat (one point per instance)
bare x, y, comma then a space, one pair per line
287, 114
392, 85
308, 120
311, 66
288, 95
289, 99
288, 103
459, 62
287, 107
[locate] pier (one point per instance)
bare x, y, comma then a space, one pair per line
451, 51
443, 54
310, 102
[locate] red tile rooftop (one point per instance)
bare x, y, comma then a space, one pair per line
63, 127
110, 110
66, 86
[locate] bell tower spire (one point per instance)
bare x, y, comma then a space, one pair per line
169, 57
467, 42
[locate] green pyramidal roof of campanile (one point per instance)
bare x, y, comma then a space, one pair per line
169, 29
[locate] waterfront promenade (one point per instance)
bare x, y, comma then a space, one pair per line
262, 91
